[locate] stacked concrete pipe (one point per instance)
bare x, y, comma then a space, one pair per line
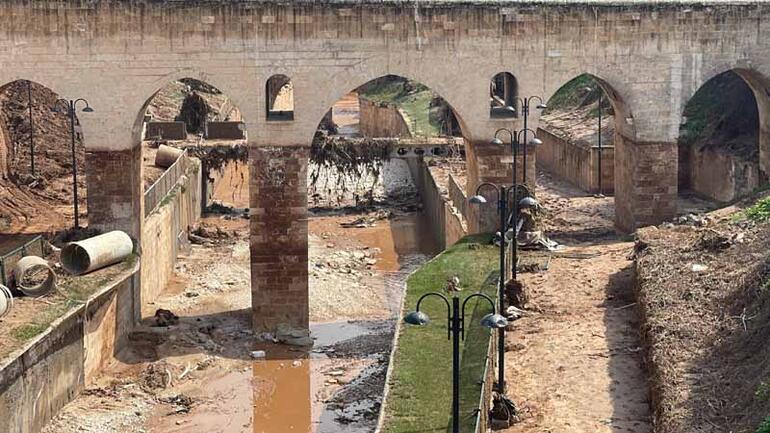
167, 156
88, 255
6, 300
29, 266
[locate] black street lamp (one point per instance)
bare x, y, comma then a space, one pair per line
70, 106
502, 207
31, 129
456, 331
525, 104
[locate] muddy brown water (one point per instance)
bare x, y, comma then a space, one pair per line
335, 387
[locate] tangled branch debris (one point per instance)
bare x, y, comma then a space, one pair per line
351, 161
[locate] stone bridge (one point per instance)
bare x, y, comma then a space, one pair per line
650, 59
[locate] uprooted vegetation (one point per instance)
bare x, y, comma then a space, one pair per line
705, 295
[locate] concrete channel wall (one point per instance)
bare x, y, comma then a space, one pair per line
578, 164
381, 120
166, 230
446, 225
37, 380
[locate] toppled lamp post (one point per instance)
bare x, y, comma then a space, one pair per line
69, 106
456, 332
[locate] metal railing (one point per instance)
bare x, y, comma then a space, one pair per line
9, 259
159, 190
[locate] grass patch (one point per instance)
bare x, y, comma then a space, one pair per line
41, 321
759, 212
421, 384
765, 426
410, 97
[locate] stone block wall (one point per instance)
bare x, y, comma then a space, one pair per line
577, 163
646, 183
114, 181
381, 120
163, 233
279, 236
719, 176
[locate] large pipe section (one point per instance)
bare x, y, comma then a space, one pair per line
167, 156
97, 252
6, 300
34, 276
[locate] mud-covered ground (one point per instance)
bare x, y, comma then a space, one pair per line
199, 373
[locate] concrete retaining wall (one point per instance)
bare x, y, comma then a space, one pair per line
575, 163
446, 223
225, 130
165, 130
378, 120
165, 230
721, 176
49, 372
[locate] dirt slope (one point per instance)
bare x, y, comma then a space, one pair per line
704, 291
43, 202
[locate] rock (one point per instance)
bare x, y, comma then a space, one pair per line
165, 318
258, 354
699, 268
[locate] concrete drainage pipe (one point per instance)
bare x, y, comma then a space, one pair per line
34, 276
97, 252
167, 156
6, 300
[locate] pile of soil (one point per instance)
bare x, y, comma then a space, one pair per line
27, 200
705, 298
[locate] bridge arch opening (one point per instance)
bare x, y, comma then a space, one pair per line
196, 203
37, 158
503, 93
720, 138
279, 98
583, 131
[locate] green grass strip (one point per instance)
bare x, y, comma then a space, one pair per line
421, 382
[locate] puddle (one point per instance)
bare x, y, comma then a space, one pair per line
327, 334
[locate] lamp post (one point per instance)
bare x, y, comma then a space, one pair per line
525, 104
456, 331
599, 167
70, 106
31, 129
502, 206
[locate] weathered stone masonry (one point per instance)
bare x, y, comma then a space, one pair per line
650, 58
279, 242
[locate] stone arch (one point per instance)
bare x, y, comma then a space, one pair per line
503, 94
149, 93
739, 175
625, 152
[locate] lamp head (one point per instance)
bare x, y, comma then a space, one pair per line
494, 321
417, 318
510, 108
88, 109
477, 199
535, 141
527, 202
541, 106
496, 141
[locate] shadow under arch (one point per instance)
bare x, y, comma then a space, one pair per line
759, 83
